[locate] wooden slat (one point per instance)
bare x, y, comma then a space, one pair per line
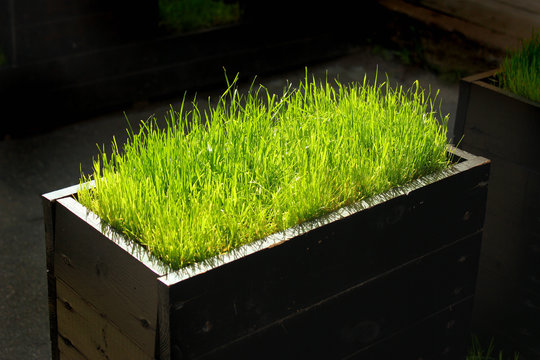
515, 19
104, 274
480, 34
67, 351
89, 332
440, 336
528, 5
49, 216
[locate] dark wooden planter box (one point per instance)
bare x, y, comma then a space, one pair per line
505, 128
96, 56
116, 77
391, 277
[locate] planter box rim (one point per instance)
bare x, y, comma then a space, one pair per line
168, 276
479, 79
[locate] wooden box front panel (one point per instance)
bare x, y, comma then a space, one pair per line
252, 295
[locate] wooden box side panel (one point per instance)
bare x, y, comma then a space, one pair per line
118, 286
508, 292
217, 307
505, 128
372, 311
497, 124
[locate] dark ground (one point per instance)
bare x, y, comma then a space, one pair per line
41, 163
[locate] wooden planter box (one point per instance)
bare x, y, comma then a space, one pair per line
505, 128
391, 277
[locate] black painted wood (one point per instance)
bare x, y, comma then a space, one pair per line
122, 288
363, 314
353, 278
440, 336
49, 217
505, 127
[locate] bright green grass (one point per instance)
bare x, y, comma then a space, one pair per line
258, 163
520, 70
188, 15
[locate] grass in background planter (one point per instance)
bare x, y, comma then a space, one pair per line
476, 352
258, 163
188, 15
520, 71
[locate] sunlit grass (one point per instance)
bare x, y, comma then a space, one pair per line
257, 163
520, 70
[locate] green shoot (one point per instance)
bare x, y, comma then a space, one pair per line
520, 70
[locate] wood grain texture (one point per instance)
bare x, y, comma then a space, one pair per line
516, 18
90, 332
483, 22
440, 336
48, 201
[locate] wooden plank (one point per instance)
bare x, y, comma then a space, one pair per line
67, 351
477, 33
32, 12
499, 17
528, 5
304, 276
440, 336
102, 272
90, 332
367, 312
49, 215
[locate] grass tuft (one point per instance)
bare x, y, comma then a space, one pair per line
189, 15
520, 70
258, 163
476, 352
